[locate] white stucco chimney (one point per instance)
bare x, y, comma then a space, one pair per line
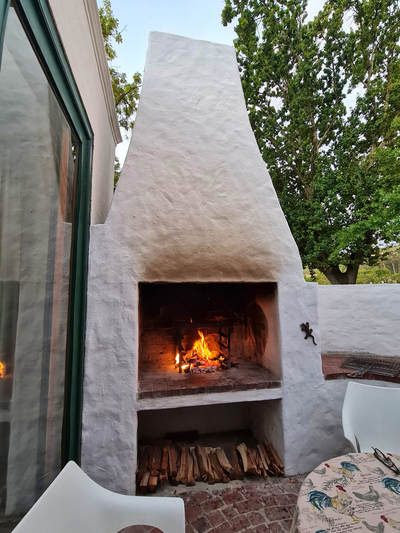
195, 203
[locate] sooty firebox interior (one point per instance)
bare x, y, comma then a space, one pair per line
207, 337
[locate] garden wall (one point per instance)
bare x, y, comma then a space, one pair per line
360, 319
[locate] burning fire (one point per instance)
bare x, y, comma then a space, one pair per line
2, 369
203, 356
201, 350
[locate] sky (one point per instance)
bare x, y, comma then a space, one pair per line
197, 19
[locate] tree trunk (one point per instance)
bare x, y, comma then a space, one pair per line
336, 277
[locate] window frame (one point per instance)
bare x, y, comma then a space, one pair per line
36, 17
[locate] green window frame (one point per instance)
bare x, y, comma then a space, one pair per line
40, 28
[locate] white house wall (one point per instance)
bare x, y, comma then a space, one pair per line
79, 28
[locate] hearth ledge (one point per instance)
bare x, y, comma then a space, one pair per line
254, 395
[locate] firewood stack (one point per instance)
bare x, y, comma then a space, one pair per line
177, 464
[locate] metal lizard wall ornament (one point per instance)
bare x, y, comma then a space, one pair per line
308, 331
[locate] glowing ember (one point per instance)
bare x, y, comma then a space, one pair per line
204, 356
2, 369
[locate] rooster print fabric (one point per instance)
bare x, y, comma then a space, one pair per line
354, 492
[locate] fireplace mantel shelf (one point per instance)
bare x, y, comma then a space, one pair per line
170, 402
160, 388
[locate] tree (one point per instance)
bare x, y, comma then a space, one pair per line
126, 94
323, 98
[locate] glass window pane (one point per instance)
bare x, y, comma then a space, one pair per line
38, 157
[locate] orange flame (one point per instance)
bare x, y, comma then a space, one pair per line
177, 359
201, 349
201, 355
2, 369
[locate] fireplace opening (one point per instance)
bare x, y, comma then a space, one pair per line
207, 337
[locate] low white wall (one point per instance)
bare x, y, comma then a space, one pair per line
360, 319
325, 412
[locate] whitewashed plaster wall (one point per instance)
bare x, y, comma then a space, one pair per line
79, 27
194, 203
360, 319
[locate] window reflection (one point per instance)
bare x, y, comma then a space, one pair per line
38, 155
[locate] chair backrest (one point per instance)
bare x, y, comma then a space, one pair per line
371, 416
74, 503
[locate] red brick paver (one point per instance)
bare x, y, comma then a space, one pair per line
254, 506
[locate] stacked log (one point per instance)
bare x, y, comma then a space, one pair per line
177, 464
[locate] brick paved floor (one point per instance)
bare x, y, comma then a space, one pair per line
254, 506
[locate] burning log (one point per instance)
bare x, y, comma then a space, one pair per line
203, 462
202, 357
164, 466
236, 472
143, 487
190, 465
242, 449
196, 470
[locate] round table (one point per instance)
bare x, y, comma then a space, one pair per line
354, 492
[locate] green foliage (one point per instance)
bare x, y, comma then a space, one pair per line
387, 270
391, 260
126, 94
117, 171
109, 28
315, 276
336, 169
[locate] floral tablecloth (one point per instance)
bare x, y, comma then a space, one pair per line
354, 492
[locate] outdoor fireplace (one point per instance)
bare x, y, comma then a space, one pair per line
195, 244
211, 337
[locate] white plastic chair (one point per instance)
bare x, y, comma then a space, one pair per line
371, 416
74, 503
